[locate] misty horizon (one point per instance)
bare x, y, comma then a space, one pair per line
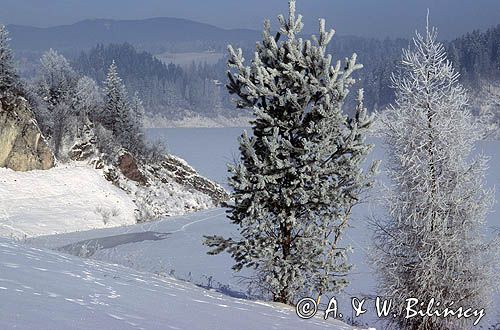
362, 18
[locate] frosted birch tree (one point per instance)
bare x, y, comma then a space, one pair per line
431, 245
87, 99
299, 173
136, 125
138, 111
56, 85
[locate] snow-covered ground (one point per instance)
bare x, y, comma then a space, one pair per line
122, 275
60, 200
47, 290
172, 246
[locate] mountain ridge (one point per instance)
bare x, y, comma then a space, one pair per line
147, 33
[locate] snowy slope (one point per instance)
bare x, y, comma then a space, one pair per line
42, 289
62, 199
172, 246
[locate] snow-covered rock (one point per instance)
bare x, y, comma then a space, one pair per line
164, 187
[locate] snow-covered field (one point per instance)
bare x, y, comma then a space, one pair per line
47, 290
172, 246
121, 275
60, 200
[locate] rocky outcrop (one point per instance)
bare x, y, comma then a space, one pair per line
187, 176
163, 186
128, 166
22, 146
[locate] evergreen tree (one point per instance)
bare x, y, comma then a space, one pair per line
431, 244
299, 173
9, 80
116, 114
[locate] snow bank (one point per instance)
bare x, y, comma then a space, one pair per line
60, 200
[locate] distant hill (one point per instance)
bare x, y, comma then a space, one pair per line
154, 34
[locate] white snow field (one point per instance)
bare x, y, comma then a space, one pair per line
172, 247
59, 200
47, 290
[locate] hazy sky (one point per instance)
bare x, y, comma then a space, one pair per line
376, 18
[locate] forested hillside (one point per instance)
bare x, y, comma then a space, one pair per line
176, 92
164, 88
477, 56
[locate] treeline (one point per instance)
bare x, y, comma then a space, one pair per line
164, 88
174, 91
76, 116
72, 110
379, 59
477, 56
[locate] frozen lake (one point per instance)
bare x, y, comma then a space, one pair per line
210, 149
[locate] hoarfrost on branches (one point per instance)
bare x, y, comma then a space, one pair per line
299, 174
431, 245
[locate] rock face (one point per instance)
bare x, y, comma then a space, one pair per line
164, 186
168, 168
22, 146
128, 166
187, 176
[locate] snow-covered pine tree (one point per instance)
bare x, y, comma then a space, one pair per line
431, 245
116, 115
299, 174
122, 117
9, 80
